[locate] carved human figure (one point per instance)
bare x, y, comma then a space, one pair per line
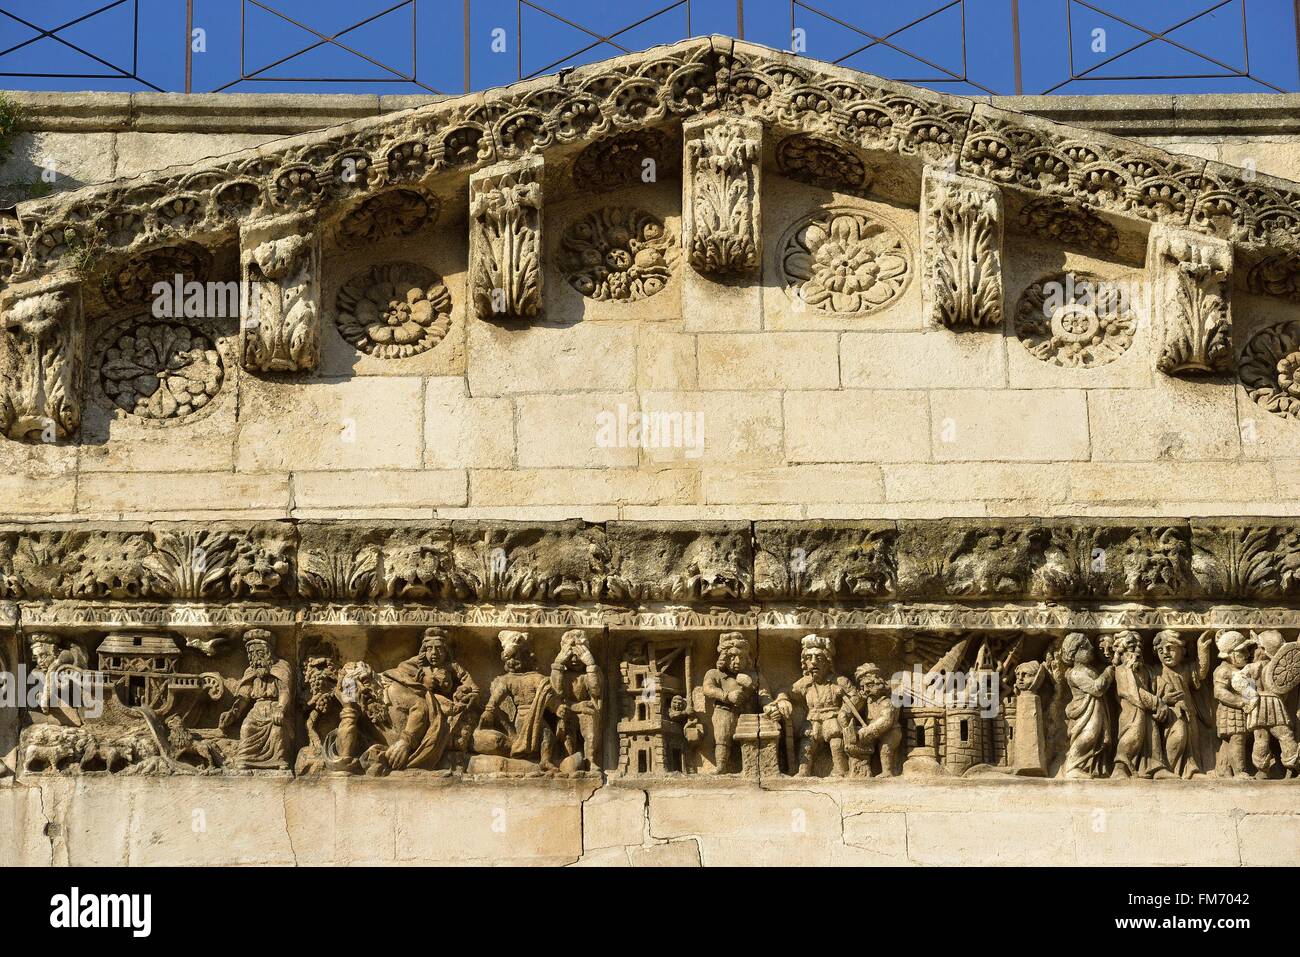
735, 688
263, 707
1029, 752
1232, 690
1088, 714
519, 718
577, 681
870, 720
1140, 748
63, 665
820, 692
1188, 728
429, 696
1266, 713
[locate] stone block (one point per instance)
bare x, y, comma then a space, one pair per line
592, 357
465, 432
583, 430
1043, 425
933, 359
769, 360
857, 425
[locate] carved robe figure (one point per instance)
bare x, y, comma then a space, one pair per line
1029, 754
1140, 749
1183, 686
263, 707
429, 695
1088, 713
821, 693
870, 720
1232, 691
519, 718
735, 689
577, 681
1266, 714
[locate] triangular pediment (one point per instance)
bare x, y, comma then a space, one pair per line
892, 128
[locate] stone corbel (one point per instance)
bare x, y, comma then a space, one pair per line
721, 188
961, 239
505, 242
279, 326
42, 360
1191, 277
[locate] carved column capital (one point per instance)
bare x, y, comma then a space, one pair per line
961, 240
42, 360
279, 326
1191, 279
505, 240
721, 232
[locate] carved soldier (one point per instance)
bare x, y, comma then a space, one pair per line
736, 689
1140, 748
869, 718
1182, 685
263, 707
1088, 713
429, 696
577, 681
1266, 714
1233, 691
820, 692
519, 718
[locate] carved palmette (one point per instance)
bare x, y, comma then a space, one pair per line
720, 203
280, 324
42, 361
1191, 278
962, 250
505, 208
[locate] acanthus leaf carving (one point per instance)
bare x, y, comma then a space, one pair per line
962, 249
721, 195
1191, 279
505, 209
42, 361
279, 327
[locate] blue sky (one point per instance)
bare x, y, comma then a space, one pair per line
411, 46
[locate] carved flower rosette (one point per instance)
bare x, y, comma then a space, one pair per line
617, 254
394, 310
1270, 368
1077, 322
163, 373
843, 260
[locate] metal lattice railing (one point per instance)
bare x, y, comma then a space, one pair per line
451, 46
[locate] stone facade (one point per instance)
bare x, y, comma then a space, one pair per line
613, 450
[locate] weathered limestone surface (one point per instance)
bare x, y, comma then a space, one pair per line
324, 822
592, 459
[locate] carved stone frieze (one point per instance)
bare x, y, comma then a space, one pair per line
1191, 281
617, 253
844, 260
42, 361
1270, 368
721, 192
505, 243
134, 283
279, 327
824, 560
394, 310
1079, 321
961, 244
707, 561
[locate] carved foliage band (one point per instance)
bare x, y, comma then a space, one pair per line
1191, 277
280, 323
505, 208
722, 189
962, 247
42, 362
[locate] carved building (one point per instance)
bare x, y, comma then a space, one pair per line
525, 481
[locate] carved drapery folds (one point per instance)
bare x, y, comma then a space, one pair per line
721, 195
961, 243
42, 361
505, 206
1191, 278
279, 328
